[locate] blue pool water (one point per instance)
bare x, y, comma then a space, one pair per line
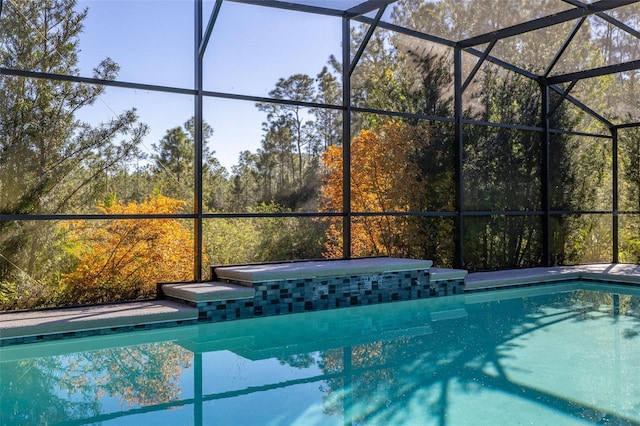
561, 354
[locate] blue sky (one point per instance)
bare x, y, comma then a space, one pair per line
250, 49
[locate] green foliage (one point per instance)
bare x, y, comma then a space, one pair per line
328, 123
291, 146
50, 161
173, 169
248, 240
23, 290
629, 182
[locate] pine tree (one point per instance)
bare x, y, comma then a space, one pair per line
50, 161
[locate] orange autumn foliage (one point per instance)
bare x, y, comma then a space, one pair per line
124, 259
382, 180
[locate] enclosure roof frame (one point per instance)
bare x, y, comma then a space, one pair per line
579, 12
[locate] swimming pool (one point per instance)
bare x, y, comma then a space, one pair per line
559, 354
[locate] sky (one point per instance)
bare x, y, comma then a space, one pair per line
250, 49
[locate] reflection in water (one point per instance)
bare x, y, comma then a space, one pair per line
80, 385
505, 357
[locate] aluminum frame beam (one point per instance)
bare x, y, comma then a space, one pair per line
354, 12
504, 64
406, 31
624, 27
365, 41
97, 81
476, 52
563, 96
293, 6
366, 7
564, 46
545, 137
582, 106
346, 139
209, 30
198, 47
627, 125
475, 69
458, 233
615, 196
544, 22
595, 72
608, 18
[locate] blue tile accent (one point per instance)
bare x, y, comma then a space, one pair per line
310, 294
95, 332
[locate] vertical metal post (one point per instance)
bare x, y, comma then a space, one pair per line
546, 176
459, 147
197, 391
346, 138
614, 191
197, 145
347, 386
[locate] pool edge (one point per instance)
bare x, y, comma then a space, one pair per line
625, 273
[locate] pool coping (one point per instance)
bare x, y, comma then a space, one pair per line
36, 325
614, 272
257, 273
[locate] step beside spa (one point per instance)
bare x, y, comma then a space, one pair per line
258, 290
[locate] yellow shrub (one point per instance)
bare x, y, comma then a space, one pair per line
124, 259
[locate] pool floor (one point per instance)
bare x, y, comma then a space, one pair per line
558, 354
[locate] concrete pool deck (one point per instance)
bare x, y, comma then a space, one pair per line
32, 326
618, 272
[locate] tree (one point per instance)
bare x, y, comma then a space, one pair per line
328, 122
376, 81
174, 162
616, 46
503, 172
275, 161
124, 259
382, 180
141, 375
502, 167
49, 160
176, 154
284, 238
284, 169
630, 193
27, 381
461, 19
291, 119
245, 190
396, 76
216, 186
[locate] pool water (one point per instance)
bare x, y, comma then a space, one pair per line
560, 354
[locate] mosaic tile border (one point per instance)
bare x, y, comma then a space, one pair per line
93, 332
311, 294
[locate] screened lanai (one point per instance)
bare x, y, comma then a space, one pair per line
143, 141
